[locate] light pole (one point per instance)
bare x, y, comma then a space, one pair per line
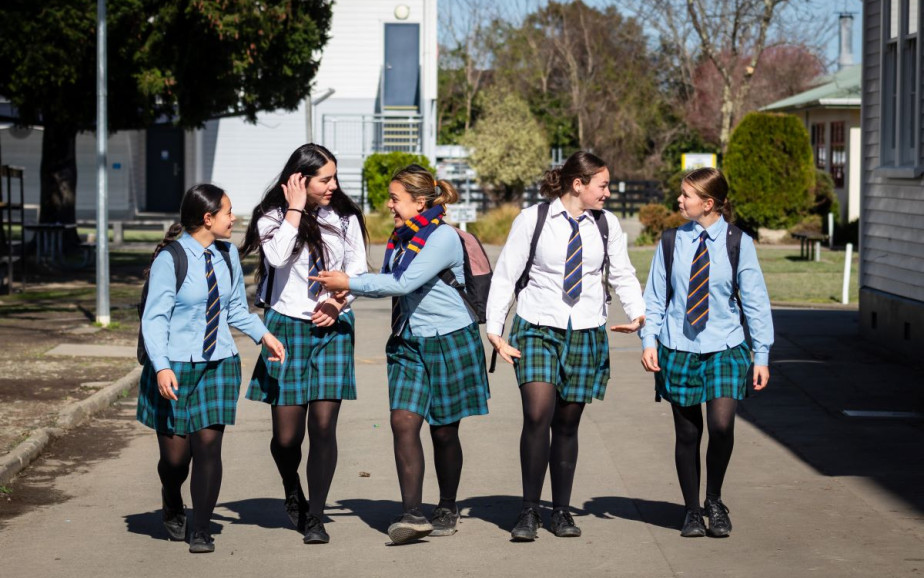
102, 184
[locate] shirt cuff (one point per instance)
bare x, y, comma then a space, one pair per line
649, 341
160, 363
762, 358
494, 327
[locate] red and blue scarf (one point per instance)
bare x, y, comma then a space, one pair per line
414, 232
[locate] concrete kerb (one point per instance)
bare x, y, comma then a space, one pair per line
68, 418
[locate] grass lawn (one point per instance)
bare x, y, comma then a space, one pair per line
789, 279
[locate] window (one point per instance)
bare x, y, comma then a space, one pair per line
838, 154
818, 145
900, 143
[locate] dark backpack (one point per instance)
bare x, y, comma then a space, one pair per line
732, 246
541, 215
478, 273
180, 266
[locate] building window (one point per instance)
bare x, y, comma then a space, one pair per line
818, 145
900, 89
838, 154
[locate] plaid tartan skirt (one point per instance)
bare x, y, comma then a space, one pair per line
442, 378
207, 395
318, 365
689, 378
577, 362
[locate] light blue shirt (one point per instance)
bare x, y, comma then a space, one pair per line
435, 307
723, 329
173, 323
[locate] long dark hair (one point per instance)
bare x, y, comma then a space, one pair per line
307, 159
197, 201
581, 165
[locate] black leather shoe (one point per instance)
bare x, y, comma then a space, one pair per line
297, 508
444, 521
314, 531
174, 519
201, 543
693, 526
720, 525
562, 524
412, 525
528, 524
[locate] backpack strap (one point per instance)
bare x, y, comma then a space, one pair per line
733, 246
604, 227
180, 262
668, 237
541, 214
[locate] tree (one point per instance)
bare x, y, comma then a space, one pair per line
770, 170
378, 169
184, 62
508, 147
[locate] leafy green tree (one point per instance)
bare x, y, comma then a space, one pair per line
378, 169
508, 146
184, 62
770, 170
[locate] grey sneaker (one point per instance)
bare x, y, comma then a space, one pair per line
412, 525
720, 525
314, 531
562, 524
201, 543
528, 524
444, 521
693, 526
296, 508
174, 519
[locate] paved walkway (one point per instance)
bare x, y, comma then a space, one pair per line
811, 491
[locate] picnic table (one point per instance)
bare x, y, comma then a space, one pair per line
807, 243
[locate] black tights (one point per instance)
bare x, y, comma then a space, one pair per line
545, 410
289, 422
409, 459
203, 449
688, 425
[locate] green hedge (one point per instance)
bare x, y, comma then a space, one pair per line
770, 171
379, 168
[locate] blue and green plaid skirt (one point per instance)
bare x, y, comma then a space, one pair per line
207, 395
318, 365
442, 378
689, 378
576, 362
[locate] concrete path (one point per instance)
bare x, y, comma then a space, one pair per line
793, 516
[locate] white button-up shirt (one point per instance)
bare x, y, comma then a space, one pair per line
343, 252
543, 301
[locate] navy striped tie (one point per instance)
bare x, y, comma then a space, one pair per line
212, 309
575, 259
396, 318
698, 299
314, 287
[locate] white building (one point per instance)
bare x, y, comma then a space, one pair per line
378, 70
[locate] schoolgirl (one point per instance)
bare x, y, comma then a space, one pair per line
436, 366
304, 224
192, 375
558, 342
695, 343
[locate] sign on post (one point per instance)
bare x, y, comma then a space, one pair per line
461, 213
690, 161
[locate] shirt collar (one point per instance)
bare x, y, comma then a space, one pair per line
715, 231
556, 208
193, 246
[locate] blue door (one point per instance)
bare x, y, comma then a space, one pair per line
401, 88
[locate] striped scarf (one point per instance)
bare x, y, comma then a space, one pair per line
415, 231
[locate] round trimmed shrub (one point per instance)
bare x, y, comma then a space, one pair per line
770, 171
379, 168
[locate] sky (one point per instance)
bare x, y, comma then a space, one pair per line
822, 10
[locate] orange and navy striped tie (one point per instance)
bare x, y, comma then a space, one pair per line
698, 299
212, 309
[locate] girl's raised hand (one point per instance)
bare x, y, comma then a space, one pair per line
630, 327
333, 280
276, 348
296, 191
504, 349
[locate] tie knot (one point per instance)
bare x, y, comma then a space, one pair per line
572, 220
208, 254
703, 236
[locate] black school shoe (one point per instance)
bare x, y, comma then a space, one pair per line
412, 525
314, 531
562, 524
528, 524
201, 543
296, 508
174, 519
444, 521
693, 525
720, 525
